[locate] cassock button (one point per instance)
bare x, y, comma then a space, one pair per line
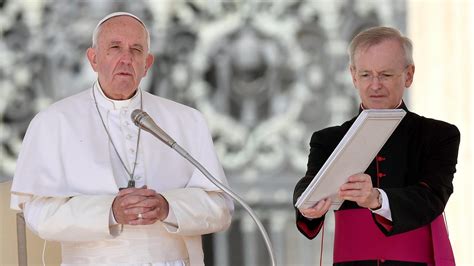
132, 150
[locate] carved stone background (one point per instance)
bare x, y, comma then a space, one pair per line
265, 74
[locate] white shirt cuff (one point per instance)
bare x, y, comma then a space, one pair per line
171, 218
384, 210
112, 220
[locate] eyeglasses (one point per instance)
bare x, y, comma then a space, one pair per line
382, 77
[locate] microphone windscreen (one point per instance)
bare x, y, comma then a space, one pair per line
137, 115
145, 122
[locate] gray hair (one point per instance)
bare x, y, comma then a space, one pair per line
98, 28
376, 35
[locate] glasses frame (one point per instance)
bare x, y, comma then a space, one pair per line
382, 76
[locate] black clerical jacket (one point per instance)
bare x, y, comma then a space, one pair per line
415, 168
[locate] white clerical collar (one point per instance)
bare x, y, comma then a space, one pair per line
398, 106
108, 103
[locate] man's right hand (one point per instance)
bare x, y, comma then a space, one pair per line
127, 198
318, 210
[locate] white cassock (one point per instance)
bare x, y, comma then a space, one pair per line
68, 175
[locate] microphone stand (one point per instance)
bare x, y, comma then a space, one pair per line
150, 126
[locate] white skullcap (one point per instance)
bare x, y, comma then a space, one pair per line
118, 14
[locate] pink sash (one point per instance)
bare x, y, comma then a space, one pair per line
357, 237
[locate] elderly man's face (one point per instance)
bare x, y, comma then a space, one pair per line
381, 75
120, 57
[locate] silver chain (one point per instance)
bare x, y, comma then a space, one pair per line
131, 174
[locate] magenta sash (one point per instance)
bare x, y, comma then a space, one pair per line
357, 237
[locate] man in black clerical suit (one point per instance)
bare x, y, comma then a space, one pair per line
392, 213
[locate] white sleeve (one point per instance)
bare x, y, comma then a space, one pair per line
384, 210
78, 218
197, 212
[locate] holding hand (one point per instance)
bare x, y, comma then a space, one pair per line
139, 206
318, 210
359, 189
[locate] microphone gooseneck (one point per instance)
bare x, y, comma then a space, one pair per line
145, 122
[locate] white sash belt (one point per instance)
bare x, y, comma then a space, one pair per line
134, 245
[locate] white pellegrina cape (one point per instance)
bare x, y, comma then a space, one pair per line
66, 154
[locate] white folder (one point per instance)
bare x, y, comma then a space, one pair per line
353, 155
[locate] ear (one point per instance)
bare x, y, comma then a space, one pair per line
353, 74
92, 56
149, 61
409, 76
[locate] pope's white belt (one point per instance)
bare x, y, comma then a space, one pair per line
135, 244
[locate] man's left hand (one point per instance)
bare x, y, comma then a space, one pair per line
360, 190
145, 205
152, 209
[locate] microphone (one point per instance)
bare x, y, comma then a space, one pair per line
142, 120
145, 122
